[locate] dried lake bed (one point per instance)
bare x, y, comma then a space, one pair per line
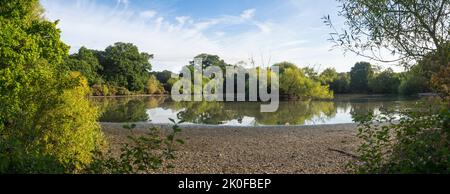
323, 149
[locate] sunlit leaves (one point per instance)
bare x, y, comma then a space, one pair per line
144, 153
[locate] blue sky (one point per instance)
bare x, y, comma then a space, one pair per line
175, 31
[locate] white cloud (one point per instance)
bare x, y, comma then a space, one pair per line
124, 2
148, 14
182, 19
176, 40
248, 14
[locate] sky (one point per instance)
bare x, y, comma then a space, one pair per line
175, 31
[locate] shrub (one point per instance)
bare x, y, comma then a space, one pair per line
46, 123
122, 91
57, 131
295, 83
108, 90
153, 86
71, 131
417, 142
341, 84
99, 90
144, 154
386, 82
413, 84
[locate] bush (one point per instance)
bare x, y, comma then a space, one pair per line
122, 91
417, 142
153, 86
71, 129
412, 84
56, 133
386, 82
106, 90
144, 154
341, 84
295, 83
46, 123
99, 90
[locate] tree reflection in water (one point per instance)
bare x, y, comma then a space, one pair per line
136, 109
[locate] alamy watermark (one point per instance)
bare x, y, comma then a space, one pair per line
229, 85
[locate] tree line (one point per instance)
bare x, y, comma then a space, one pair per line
121, 69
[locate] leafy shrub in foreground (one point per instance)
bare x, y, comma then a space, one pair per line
47, 125
417, 142
144, 154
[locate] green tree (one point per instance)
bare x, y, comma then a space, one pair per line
360, 75
386, 82
46, 123
124, 66
414, 81
413, 30
328, 76
153, 86
210, 60
285, 65
341, 84
295, 83
86, 62
311, 73
164, 77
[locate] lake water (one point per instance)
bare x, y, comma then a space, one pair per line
159, 109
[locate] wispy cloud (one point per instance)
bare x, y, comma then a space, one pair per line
123, 2
148, 14
176, 39
248, 14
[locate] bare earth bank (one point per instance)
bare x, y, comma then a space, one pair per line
284, 149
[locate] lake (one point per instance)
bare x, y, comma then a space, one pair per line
158, 110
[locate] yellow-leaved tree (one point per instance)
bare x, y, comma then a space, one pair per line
47, 125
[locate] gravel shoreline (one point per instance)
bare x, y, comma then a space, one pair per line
318, 149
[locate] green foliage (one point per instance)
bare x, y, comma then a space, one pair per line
109, 90
210, 60
46, 123
311, 73
412, 30
86, 62
414, 81
417, 142
100, 90
341, 84
409, 29
164, 78
360, 75
294, 83
144, 154
153, 86
437, 64
386, 82
285, 65
328, 76
124, 66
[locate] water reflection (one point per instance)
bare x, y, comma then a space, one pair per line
159, 109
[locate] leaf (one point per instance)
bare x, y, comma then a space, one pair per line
170, 137
176, 129
180, 141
